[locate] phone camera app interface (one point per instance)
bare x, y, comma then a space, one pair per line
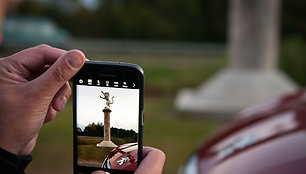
107, 123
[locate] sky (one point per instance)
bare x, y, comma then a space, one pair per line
124, 110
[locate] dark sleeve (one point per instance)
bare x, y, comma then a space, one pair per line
11, 163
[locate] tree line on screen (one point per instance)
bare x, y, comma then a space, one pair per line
97, 130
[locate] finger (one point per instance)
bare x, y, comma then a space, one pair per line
51, 113
36, 57
49, 83
151, 156
60, 99
70, 80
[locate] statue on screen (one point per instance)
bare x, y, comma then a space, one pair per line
107, 131
106, 97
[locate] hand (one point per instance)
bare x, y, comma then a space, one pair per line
33, 87
152, 162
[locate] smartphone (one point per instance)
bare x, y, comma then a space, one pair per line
108, 107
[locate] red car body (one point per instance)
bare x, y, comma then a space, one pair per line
123, 157
265, 139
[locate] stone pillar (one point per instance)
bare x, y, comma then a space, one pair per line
252, 76
254, 34
107, 132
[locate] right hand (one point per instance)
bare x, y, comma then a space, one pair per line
152, 163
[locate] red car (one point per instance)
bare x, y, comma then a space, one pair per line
266, 139
123, 157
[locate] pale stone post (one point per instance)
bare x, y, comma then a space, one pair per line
107, 132
252, 76
254, 34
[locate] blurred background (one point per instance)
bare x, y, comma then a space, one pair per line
179, 43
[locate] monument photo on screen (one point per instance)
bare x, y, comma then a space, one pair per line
107, 117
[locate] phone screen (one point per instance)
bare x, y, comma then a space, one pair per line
107, 115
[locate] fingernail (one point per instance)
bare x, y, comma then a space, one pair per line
75, 60
63, 102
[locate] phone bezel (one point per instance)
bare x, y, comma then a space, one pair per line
94, 68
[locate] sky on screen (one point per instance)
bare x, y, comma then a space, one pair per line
124, 110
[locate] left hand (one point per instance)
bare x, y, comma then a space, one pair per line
33, 87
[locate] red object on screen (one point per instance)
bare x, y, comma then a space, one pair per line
123, 157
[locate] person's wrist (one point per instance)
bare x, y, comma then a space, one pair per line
21, 149
13, 163
4, 144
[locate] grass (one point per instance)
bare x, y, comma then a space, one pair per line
89, 153
89, 140
164, 127
92, 154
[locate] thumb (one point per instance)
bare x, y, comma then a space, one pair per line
50, 82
